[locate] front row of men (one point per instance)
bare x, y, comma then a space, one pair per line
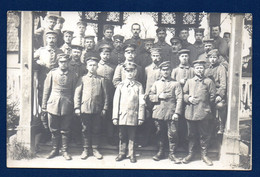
170, 95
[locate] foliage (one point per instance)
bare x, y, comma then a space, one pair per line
12, 113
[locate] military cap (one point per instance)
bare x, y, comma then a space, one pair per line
129, 66
199, 30
227, 33
92, 58
129, 47
184, 28
174, 39
105, 47
51, 32
90, 37
208, 40
68, 31
155, 50
62, 57
199, 62
81, 22
213, 52
61, 19
165, 64
148, 40
160, 29
52, 16
118, 37
183, 51
76, 45
106, 27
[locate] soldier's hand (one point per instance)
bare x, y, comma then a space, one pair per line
193, 100
162, 96
115, 121
182, 81
103, 113
140, 122
77, 112
218, 99
175, 117
44, 110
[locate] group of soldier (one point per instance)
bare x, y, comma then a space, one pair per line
131, 85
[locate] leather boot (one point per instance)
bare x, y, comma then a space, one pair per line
172, 157
55, 147
205, 158
190, 156
85, 154
160, 155
120, 157
132, 159
97, 154
64, 141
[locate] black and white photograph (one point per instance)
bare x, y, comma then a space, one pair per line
129, 90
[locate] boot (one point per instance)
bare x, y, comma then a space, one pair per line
85, 154
205, 158
190, 156
221, 128
160, 155
172, 157
120, 157
97, 154
65, 153
55, 147
132, 159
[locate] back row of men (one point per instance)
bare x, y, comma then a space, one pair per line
116, 60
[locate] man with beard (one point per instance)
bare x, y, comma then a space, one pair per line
176, 46
108, 33
208, 46
166, 48
89, 48
144, 59
184, 34
117, 55
80, 33
67, 37
58, 27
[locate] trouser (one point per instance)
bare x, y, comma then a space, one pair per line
201, 128
91, 130
60, 129
169, 128
109, 129
76, 127
127, 136
182, 134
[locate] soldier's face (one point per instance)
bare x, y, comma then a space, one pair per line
213, 59
215, 31
51, 23
92, 66
76, 54
208, 47
156, 57
108, 34
81, 29
118, 44
105, 55
51, 40
165, 72
184, 34
226, 37
161, 35
184, 58
67, 38
198, 37
176, 46
59, 25
199, 70
130, 74
89, 44
129, 55
136, 30
148, 46
63, 65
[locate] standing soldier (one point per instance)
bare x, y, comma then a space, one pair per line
184, 34
176, 46
67, 37
208, 46
108, 33
218, 74
40, 33
91, 104
79, 37
128, 111
58, 103
199, 95
166, 48
144, 59
130, 54
117, 54
89, 48
167, 96
58, 27
106, 70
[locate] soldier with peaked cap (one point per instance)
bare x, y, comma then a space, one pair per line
40, 33
106, 70
108, 33
167, 97
183, 35
199, 96
197, 48
80, 32
128, 111
218, 74
58, 103
67, 37
58, 28
176, 46
89, 48
144, 59
91, 104
117, 54
208, 46
130, 54
166, 48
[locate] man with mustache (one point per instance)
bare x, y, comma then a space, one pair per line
183, 35
117, 54
67, 37
80, 32
176, 46
144, 59
89, 48
108, 33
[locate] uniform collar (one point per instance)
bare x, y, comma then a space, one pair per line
165, 79
154, 66
213, 65
198, 45
161, 43
63, 73
91, 75
129, 83
184, 66
108, 40
196, 78
65, 45
102, 62
49, 48
136, 38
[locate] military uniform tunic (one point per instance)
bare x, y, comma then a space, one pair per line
66, 48
152, 74
78, 67
182, 72
166, 50
117, 57
196, 50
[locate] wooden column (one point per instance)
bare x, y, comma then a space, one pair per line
26, 55
231, 138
